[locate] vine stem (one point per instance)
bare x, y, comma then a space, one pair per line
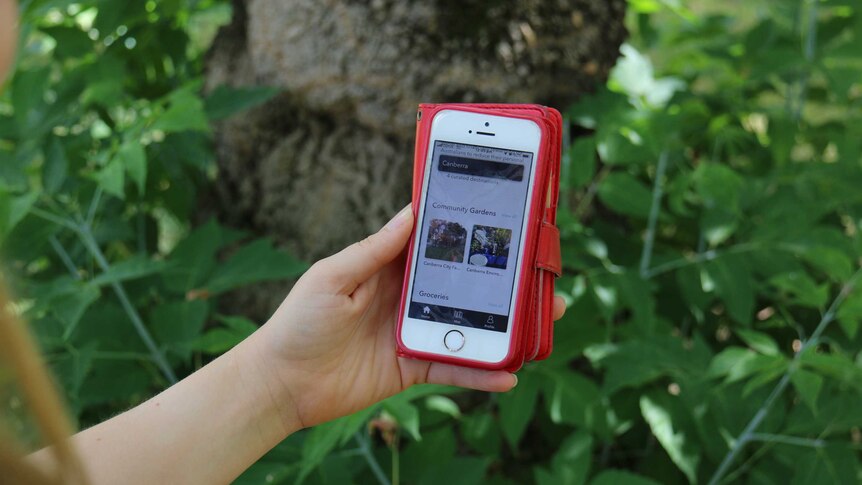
94, 205
85, 233
396, 461
788, 440
159, 359
365, 451
591, 192
64, 257
748, 434
699, 258
654, 210
60, 221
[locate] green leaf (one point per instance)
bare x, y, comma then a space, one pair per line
70, 307
834, 463
186, 113
324, 438
823, 248
113, 14
481, 432
718, 224
615, 148
544, 477
28, 91
14, 209
516, 409
133, 158
105, 82
266, 471
764, 377
572, 399
594, 110
666, 419
238, 324
850, 313
637, 296
421, 458
319, 442
422, 390
645, 6
226, 101
253, 263
56, 167
111, 179
177, 325
834, 263
460, 470
571, 463
112, 381
836, 366
802, 289
733, 284
736, 363
724, 363
194, 258
718, 186
691, 290
406, 414
72, 369
619, 477
639, 361
13, 175
758, 341
808, 385
443, 405
134, 268
625, 194
71, 41
219, 340
582, 162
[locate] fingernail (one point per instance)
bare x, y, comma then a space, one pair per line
400, 218
516, 381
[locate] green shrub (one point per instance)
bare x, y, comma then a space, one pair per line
711, 214
104, 142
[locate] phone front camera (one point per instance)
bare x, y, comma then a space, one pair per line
470, 131
487, 124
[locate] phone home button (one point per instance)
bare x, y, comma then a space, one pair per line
454, 340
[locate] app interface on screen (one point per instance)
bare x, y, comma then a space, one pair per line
470, 235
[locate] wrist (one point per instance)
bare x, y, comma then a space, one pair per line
275, 402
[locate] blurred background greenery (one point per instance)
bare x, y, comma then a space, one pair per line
710, 210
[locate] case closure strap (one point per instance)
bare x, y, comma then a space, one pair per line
548, 253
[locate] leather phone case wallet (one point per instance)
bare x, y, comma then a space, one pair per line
532, 323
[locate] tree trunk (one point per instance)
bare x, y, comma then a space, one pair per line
329, 160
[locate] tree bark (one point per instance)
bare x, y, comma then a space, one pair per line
329, 160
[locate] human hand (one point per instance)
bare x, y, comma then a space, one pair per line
330, 347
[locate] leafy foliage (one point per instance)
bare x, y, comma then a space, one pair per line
710, 213
104, 142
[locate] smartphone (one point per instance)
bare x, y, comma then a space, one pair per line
464, 276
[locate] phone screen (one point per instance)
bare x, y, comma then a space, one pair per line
465, 267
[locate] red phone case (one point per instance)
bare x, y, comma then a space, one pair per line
532, 322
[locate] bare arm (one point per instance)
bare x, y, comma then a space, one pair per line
328, 351
208, 428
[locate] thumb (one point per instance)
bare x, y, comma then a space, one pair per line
349, 268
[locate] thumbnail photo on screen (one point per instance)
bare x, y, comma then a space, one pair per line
490, 246
445, 241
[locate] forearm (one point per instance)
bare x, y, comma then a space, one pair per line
206, 429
